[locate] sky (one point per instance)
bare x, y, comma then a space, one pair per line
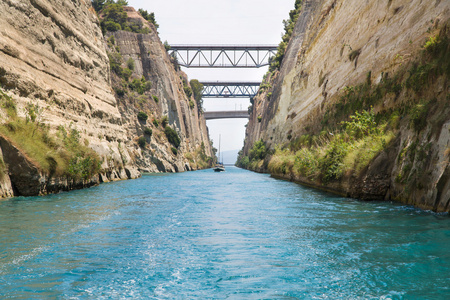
221, 22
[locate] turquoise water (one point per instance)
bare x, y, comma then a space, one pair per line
206, 235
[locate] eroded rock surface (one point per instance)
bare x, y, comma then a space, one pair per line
53, 55
337, 44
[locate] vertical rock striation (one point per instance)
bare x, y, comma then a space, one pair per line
338, 44
53, 56
152, 61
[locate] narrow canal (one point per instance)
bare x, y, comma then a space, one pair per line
206, 235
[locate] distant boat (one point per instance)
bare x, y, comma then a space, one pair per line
219, 167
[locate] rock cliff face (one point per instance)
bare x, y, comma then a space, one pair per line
152, 61
53, 58
340, 45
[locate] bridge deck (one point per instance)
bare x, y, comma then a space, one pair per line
233, 83
224, 47
236, 114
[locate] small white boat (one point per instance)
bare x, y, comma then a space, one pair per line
219, 167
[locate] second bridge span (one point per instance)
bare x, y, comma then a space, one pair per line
235, 114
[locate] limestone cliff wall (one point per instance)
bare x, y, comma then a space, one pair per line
383, 37
53, 55
152, 61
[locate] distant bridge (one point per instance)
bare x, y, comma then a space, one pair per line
230, 89
236, 114
223, 56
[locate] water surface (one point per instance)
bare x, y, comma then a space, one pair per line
206, 235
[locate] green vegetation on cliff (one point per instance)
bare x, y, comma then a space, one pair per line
114, 18
289, 25
255, 158
330, 155
128, 83
172, 136
149, 17
57, 154
198, 159
197, 89
366, 119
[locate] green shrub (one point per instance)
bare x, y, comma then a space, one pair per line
361, 124
155, 98
174, 151
126, 74
258, 151
166, 46
142, 141
164, 121
111, 26
197, 90
172, 136
243, 162
115, 62
331, 165
98, 5
114, 17
130, 64
307, 163
418, 114
149, 17
155, 122
8, 103
259, 119
142, 116
140, 85
148, 131
432, 44
187, 91
81, 167
120, 91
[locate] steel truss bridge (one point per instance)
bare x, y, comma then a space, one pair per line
230, 89
223, 56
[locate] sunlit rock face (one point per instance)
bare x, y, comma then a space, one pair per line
152, 61
53, 55
337, 44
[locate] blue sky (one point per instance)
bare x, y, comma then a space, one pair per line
221, 22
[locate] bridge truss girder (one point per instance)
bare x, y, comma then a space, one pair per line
229, 56
230, 89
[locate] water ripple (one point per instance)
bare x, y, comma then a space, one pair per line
234, 235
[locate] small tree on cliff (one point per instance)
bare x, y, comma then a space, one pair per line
115, 13
197, 89
98, 4
172, 136
148, 16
